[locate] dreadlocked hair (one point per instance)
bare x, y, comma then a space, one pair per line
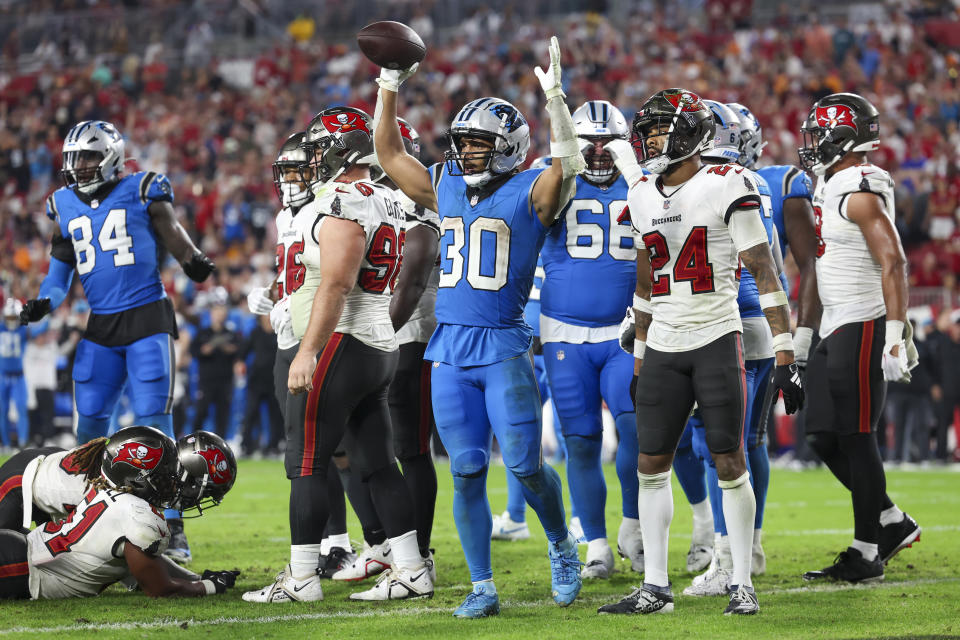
100, 484
85, 460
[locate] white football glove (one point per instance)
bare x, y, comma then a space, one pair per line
550, 79
628, 332
625, 158
259, 302
895, 367
280, 317
391, 79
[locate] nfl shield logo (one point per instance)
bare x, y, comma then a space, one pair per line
561, 355
666, 204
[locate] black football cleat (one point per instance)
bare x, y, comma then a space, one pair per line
337, 559
647, 599
894, 538
743, 601
849, 566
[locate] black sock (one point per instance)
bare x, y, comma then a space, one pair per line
421, 478
868, 483
827, 447
308, 509
337, 520
358, 493
392, 500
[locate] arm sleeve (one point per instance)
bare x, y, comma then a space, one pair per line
57, 282
155, 187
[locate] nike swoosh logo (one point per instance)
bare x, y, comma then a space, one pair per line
418, 576
339, 190
509, 531
300, 588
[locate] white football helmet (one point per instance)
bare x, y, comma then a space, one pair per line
597, 121
725, 145
293, 157
89, 139
12, 308
499, 122
751, 136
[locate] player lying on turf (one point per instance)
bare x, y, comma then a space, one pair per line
117, 531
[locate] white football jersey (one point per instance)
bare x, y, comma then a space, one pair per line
56, 485
83, 555
366, 313
848, 278
290, 272
422, 323
694, 234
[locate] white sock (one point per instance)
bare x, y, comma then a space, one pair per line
866, 549
757, 536
655, 501
739, 510
406, 553
304, 560
325, 546
597, 547
702, 520
341, 540
893, 515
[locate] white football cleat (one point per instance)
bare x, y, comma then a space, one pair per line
431, 566
288, 589
701, 545
759, 565
399, 584
630, 543
713, 582
372, 560
599, 562
506, 529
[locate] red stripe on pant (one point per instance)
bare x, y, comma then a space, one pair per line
863, 376
426, 407
313, 403
14, 570
11, 483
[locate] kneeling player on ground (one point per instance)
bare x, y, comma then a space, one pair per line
116, 532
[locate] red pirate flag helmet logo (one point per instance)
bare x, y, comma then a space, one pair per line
345, 121
217, 466
836, 115
689, 100
138, 455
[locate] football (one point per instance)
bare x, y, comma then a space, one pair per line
392, 45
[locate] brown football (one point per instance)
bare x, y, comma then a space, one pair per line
392, 45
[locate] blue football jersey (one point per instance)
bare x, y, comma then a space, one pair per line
589, 259
12, 344
488, 255
113, 241
531, 312
785, 181
748, 297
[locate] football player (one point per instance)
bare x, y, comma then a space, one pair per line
589, 278
862, 283
758, 366
116, 532
109, 229
694, 222
13, 386
346, 358
292, 176
493, 221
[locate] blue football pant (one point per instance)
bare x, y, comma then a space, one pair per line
100, 372
13, 388
758, 374
581, 377
471, 405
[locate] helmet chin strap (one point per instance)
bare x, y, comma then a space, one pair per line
660, 163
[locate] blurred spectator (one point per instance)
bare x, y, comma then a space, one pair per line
302, 28
262, 346
216, 349
13, 388
910, 408
40, 370
945, 352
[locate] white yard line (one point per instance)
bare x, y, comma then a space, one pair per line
407, 611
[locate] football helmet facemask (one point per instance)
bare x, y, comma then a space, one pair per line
336, 139
499, 123
208, 469
142, 461
596, 123
93, 154
678, 115
838, 124
751, 136
292, 174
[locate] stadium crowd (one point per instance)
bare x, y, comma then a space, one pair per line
213, 125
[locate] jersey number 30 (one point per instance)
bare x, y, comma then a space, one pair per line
479, 276
112, 237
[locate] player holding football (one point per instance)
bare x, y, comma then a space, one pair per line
116, 532
862, 282
589, 264
695, 222
494, 218
346, 359
109, 229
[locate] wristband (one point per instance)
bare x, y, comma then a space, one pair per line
783, 342
639, 349
642, 304
894, 334
775, 299
802, 339
209, 586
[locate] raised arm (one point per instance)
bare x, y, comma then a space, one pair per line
174, 237
420, 250
407, 172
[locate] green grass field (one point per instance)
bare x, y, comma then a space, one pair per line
808, 520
